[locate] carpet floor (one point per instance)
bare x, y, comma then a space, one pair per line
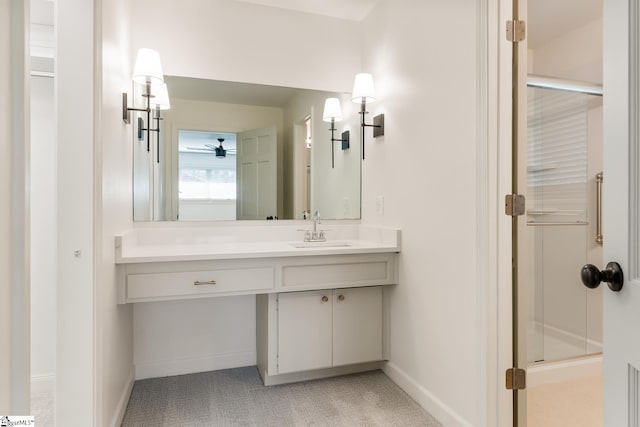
236, 397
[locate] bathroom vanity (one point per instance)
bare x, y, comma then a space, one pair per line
320, 306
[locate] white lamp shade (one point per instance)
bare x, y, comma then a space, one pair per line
148, 68
332, 110
161, 97
363, 89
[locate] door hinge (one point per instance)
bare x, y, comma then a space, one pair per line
516, 31
514, 204
516, 379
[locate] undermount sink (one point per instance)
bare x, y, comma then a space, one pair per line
321, 244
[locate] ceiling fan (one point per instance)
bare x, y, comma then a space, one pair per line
220, 151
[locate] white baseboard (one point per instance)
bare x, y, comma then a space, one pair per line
293, 377
425, 398
213, 362
43, 383
564, 370
118, 416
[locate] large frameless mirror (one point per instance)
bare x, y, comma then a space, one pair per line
239, 151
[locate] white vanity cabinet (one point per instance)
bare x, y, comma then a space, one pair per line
307, 334
304, 331
321, 307
323, 329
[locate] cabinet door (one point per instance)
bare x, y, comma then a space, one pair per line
304, 331
357, 325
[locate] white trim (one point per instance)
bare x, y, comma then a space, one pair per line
443, 413
43, 383
292, 377
191, 365
42, 74
493, 227
564, 370
485, 234
500, 303
121, 408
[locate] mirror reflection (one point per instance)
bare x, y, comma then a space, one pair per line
239, 151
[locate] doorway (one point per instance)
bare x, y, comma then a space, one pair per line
560, 165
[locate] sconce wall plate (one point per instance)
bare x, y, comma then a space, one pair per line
141, 128
378, 123
126, 115
345, 140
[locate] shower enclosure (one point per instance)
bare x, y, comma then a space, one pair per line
564, 161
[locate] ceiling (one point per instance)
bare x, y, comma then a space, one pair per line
228, 92
549, 19
354, 10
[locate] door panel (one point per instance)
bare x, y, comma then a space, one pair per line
621, 209
304, 331
257, 188
357, 325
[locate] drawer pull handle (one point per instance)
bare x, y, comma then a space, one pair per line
341, 298
209, 282
325, 299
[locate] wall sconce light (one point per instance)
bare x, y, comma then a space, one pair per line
148, 71
363, 92
333, 113
160, 101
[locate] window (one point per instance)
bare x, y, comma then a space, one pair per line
203, 175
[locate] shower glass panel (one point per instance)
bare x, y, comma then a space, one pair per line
559, 199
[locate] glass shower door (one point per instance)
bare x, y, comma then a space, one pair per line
563, 134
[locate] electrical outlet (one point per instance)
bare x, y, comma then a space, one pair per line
380, 205
345, 205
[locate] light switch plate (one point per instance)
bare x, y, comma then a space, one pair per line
380, 205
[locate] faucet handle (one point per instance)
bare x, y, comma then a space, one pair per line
316, 216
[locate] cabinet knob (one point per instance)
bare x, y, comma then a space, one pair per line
325, 298
341, 298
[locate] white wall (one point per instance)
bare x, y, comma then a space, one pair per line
180, 337
14, 224
113, 203
5, 209
43, 231
577, 55
425, 168
236, 41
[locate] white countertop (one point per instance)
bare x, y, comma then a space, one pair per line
165, 244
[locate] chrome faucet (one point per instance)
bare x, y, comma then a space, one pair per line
315, 235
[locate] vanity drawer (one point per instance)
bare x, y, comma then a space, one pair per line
189, 284
363, 273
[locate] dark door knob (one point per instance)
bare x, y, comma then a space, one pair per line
591, 276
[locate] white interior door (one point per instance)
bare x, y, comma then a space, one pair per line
257, 187
621, 210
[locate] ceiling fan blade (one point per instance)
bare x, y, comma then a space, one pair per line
199, 149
